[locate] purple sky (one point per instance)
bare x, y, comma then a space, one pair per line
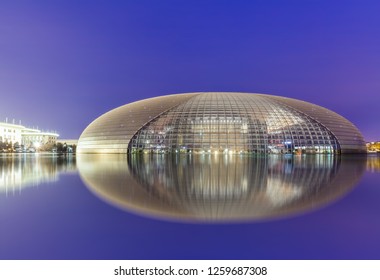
64, 63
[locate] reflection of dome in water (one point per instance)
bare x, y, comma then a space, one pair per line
219, 187
221, 123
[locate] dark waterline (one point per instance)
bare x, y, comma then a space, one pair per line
47, 212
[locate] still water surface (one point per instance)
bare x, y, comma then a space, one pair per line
189, 207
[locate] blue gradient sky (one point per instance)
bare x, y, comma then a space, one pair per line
64, 63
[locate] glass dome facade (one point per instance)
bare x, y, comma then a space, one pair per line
216, 122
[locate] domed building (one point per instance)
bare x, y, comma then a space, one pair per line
221, 122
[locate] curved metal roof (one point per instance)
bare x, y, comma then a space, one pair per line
226, 121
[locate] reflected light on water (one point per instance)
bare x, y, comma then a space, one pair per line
220, 187
373, 163
19, 171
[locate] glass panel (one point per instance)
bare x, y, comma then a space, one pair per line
233, 123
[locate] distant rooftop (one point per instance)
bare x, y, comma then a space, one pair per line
26, 129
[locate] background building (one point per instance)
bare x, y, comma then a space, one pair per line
10, 132
373, 147
37, 138
70, 142
17, 135
217, 122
